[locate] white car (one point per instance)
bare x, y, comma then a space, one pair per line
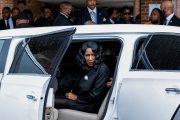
144, 62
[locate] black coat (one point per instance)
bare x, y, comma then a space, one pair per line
175, 21
42, 21
3, 24
89, 87
86, 16
62, 20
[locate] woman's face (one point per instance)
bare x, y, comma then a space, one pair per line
127, 14
155, 15
89, 57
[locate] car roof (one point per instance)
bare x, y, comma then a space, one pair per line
87, 29
127, 28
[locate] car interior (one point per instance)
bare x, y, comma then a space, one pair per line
111, 49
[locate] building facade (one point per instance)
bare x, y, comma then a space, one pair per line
141, 7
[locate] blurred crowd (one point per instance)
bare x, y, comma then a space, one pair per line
90, 14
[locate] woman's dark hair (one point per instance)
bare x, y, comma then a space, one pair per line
95, 48
126, 8
160, 14
110, 11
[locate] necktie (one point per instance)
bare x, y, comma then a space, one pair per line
7, 24
93, 16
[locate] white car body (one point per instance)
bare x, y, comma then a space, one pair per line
135, 94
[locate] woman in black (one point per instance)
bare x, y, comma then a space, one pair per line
86, 91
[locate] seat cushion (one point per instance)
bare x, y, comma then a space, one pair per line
69, 114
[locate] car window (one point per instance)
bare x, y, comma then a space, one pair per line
38, 54
4, 46
159, 52
1, 44
34, 57
25, 61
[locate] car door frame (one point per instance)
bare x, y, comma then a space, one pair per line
70, 31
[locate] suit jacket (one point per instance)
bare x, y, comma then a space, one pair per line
86, 16
3, 24
62, 20
175, 21
42, 21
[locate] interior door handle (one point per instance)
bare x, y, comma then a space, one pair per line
176, 90
31, 97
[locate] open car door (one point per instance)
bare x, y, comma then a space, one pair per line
23, 91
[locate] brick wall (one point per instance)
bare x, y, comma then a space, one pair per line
5, 3
178, 8
136, 7
33, 5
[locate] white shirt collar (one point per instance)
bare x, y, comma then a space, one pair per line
112, 21
63, 14
168, 18
94, 10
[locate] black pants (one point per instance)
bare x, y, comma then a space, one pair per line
63, 102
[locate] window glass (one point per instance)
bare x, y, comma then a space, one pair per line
24, 62
37, 54
3, 54
159, 52
27, 65
1, 44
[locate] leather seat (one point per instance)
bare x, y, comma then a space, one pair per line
69, 114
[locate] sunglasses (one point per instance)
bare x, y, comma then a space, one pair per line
47, 12
126, 13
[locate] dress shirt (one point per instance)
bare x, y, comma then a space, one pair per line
10, 23
95, 12
168, 19
112, 21
64, 15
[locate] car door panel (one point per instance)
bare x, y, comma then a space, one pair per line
147, 98
23, 94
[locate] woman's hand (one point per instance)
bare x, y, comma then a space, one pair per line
71, 96
109, 83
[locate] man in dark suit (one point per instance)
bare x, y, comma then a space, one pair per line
63, 18
91, 12
112, 16
170, 18
7, 22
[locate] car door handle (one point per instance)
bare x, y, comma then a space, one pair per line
176, 90
31, 97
